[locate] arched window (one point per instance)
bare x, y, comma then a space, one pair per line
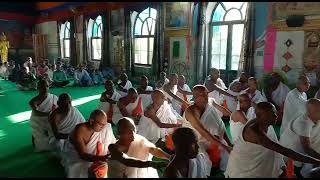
65, 39
226, 34
95, 35
143, 35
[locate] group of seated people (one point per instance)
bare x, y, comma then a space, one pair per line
59, 74
182, 126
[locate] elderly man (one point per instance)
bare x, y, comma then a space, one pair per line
124, 84
42, 105
302, 133
257, 153
295, 102
145, 91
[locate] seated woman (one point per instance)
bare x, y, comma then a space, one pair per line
135, 146
82, 77
26, 80
60, 77
187, 161
97, 77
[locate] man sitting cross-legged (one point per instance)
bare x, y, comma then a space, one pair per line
187, 161
158, 119
257, 153
63, 120
128, 106
42, 105
134, 146
124, 84
203, 118
109, 99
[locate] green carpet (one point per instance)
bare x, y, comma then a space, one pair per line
17, 157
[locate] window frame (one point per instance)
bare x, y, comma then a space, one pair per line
229, 38
64, 39
149, 61
96, 37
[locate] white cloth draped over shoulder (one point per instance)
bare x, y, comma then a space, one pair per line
231, 102
146, 98
150, 130
40, 125
213, 123
215, 94
177, 105
301, 126
249, 160
130, 107
127, 87
236, 127
74, 166
256, 97
140, 149
104, 106
66, 126
279, 95
293, 107
197, 167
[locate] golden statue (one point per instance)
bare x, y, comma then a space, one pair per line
4, 47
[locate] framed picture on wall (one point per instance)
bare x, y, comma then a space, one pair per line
177, 15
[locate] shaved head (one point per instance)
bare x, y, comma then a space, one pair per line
200, 95
303, 83
158, 97
266, 113
313, 109
98, 120
199, 89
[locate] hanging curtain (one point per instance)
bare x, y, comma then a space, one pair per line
246, 62
106, 52
157, 60
128, 52
40, 45
84, 40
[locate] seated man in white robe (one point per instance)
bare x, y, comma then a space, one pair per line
295, 102
254, 94
163, 80
243, 80
302, 134
81, 148
170, 91
129, 106
317, 94
216, 87
134, 146
187, 161
184, 92
234, 89
257, 153
124, 84
109, 99
276, 93
158, 119
42, 105
63, 120
145, 91
209, 127
239, 118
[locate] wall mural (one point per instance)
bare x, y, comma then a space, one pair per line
280, 10
177, 15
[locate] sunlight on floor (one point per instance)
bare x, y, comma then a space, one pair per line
2, 134
23, 116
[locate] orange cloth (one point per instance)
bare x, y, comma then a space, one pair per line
110, 113
169, 142
99, 168
290, 169
214, 155
225, 105
138, 110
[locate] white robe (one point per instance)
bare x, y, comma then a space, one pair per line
279, 95
231, 102
301, 126
257, 97
150, 130
104, 106
210, 120
75, 167
139, 149
196, 167
146, 98
66, 126
177, 105
249, 160
219, 98
293, 107
236, 127
127, 87
117, 115
40, 124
